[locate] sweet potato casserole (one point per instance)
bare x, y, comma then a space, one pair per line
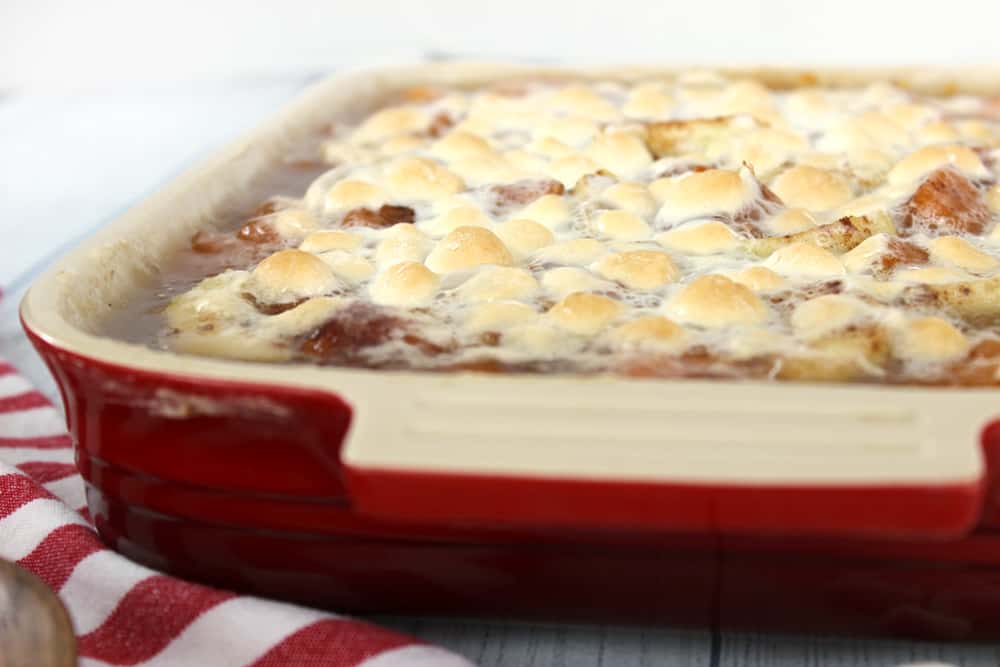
694, 226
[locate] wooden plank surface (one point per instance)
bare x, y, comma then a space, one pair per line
762, 650
507, 644
511, 644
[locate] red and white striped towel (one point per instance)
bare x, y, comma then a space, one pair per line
127, 614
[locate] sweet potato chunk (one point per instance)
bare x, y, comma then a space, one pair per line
945, 203
396, 214
899, 252
346, 338
386, 216
842, 356
210, 243
975, 301
351, 331
440, 124
679, 137
981, 368
257, 231
837, 237
525, 192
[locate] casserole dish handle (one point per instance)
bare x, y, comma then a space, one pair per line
678, 456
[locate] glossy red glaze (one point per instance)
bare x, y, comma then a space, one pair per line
940, 591
927, 512
990, 439
246, 490
222, 435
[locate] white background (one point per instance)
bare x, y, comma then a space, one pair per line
85, 44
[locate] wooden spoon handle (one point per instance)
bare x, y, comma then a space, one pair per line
35, 630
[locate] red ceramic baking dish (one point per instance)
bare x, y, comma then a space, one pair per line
765, 505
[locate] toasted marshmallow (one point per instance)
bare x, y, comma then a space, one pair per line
883, 95
456, 146
812, 108
213, 301
880, 130
406, 285
811, 188
485, 169
861, 257
631, 197
391, 122
700, 238
463, 215
540, 339
911, 116
804, 259
340, 153
699, 194
638, 269
882, 290
568, 279
568, 131
326, 240
930, 339
523, 236
790, 221
526, 163
648, 101
937, 133
585, 314
581, 100
352, 193
956, 251
765, 149
294, 223
494, 283
551, 148
290, 275
400, 145
499, 316
347, 266
993, 199
975, 130
759, 279
570, 169
926, 160
415, 178
620, 153
621, 225
650, 331
575, 251
402, 243
823, 314
749, 97
866, 205
931, 275
468, 247
716, 301
549, 210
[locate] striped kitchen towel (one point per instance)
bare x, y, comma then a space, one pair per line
127, 614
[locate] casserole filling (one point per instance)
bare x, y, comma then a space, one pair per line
691, 227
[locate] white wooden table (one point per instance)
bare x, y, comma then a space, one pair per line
68, 163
